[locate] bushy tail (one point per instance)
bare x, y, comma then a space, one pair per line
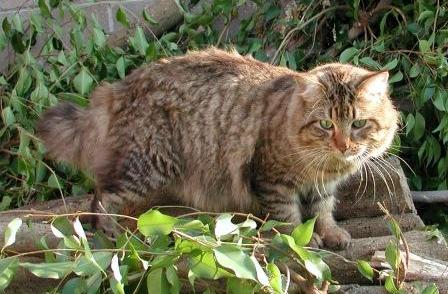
61, 130
74, 135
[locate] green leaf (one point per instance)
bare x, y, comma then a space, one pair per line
139, 41
431, 289
17, 23
149, 18
396, 77
74, 98
55, 182
173, 279
63, 226
224, 226
261, 275
24, 82
440, 99
122, 17
5, 203
36, 20
275, 278
75, 286
365, 269
370, 63
415, 70
18, 42
155, 223
391, 64
424, 46
425, 14
94, 283
270, 224
99, 38
56, 270
392, 255
203, 265
303, 233
83, 82
233, 258
88, 265
394, 228
121, 67
11, 231
312, 261
419, 128
157, 282
410, 123
44, 9
115, 286
116, 281
390, 285
8, 267
240, 286
348, 54
8, 116
192, 225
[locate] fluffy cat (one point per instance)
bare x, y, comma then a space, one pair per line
223, 132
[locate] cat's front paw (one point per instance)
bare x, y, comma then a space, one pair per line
335, 238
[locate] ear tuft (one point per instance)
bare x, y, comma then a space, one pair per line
375, 84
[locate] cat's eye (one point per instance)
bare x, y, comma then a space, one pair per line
359, 123
326, 124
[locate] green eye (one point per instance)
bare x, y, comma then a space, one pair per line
326, 124
359, 123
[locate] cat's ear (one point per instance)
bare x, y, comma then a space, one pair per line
309, 87
375, 84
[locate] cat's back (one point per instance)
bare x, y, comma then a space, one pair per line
214, 63
209, 68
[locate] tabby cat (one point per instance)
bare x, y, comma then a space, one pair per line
223, 132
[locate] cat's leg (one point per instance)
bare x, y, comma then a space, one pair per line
111, 203
135, 183
326, 227
279, 202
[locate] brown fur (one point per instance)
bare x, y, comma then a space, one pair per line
223, 132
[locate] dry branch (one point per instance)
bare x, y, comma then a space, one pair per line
419, 268
365, 248
364, 227
410, 288
366, 18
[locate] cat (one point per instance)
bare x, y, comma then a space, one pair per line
219, 131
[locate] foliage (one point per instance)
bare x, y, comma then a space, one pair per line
409, 40
167, 250
53, 62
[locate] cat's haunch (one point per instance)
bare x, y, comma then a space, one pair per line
222, 132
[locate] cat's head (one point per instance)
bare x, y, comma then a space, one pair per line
346, 114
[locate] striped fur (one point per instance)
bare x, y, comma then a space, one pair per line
222, 132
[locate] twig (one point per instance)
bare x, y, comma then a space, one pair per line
402, 238
301, 26
301, 282
365, 18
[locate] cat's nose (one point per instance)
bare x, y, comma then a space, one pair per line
342, 145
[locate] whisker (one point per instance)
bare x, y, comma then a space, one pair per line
402, 160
